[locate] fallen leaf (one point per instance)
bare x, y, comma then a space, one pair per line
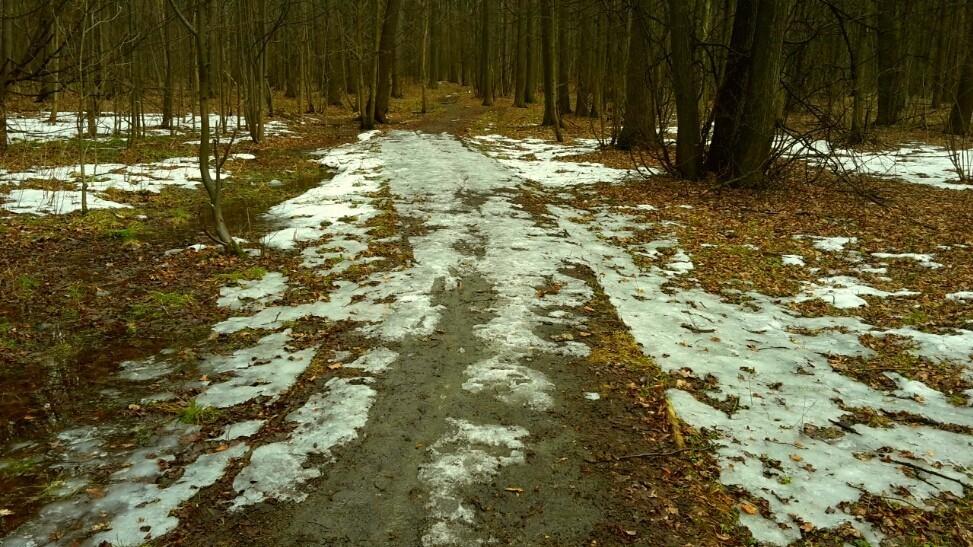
749, 508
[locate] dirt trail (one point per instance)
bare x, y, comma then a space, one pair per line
437, 463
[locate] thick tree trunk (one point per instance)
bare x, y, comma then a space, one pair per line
386, 59
530, 71
959, 116
520, 70
685, 85
563, 61
550, 82
890, 67
486, 52
638, 125
745, 107
585, 51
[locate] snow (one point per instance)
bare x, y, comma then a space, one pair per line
531, 159
51, 202
267, 369
35, 127
915, 163
375, 361
925, 260
513, 383
470, 453
960, 296
844, 292
252, 294
792, 260
180, 172
327, 420
246, 428
150, 368
783, 388
830, 244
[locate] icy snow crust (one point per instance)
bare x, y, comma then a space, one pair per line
770, 361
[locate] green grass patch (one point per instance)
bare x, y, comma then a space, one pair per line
197, 414
158, 304
250, 274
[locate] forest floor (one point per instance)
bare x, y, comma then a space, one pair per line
453, 331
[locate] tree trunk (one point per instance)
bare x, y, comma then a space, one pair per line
959, 116
486, 52
520, 66
890, 67
424, 55
201, 35
638, 126
685, 85
745, 107
530, 78
386, 59
563, 61
550, 82
585, 51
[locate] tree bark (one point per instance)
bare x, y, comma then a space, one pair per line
550, 82
745, 107
563, 61
520, 69
486, 52
386, 59
890, 67
638, 125
959, 116
685, 85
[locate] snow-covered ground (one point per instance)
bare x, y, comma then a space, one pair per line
37, 127
770, 365
916, 163
140, 177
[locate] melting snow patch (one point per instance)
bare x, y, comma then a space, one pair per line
511, 383
960, 296
237, 430
925, 260
592, 396
326, 421
375, 361
792, 260
251, 294
916, 163
468, 455
845, 292
785, 392
144, 369
830, 244
267, 369
52, 202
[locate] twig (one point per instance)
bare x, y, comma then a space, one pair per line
645, 455
844, 427
927, 471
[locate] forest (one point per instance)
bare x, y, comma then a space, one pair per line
465, 272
